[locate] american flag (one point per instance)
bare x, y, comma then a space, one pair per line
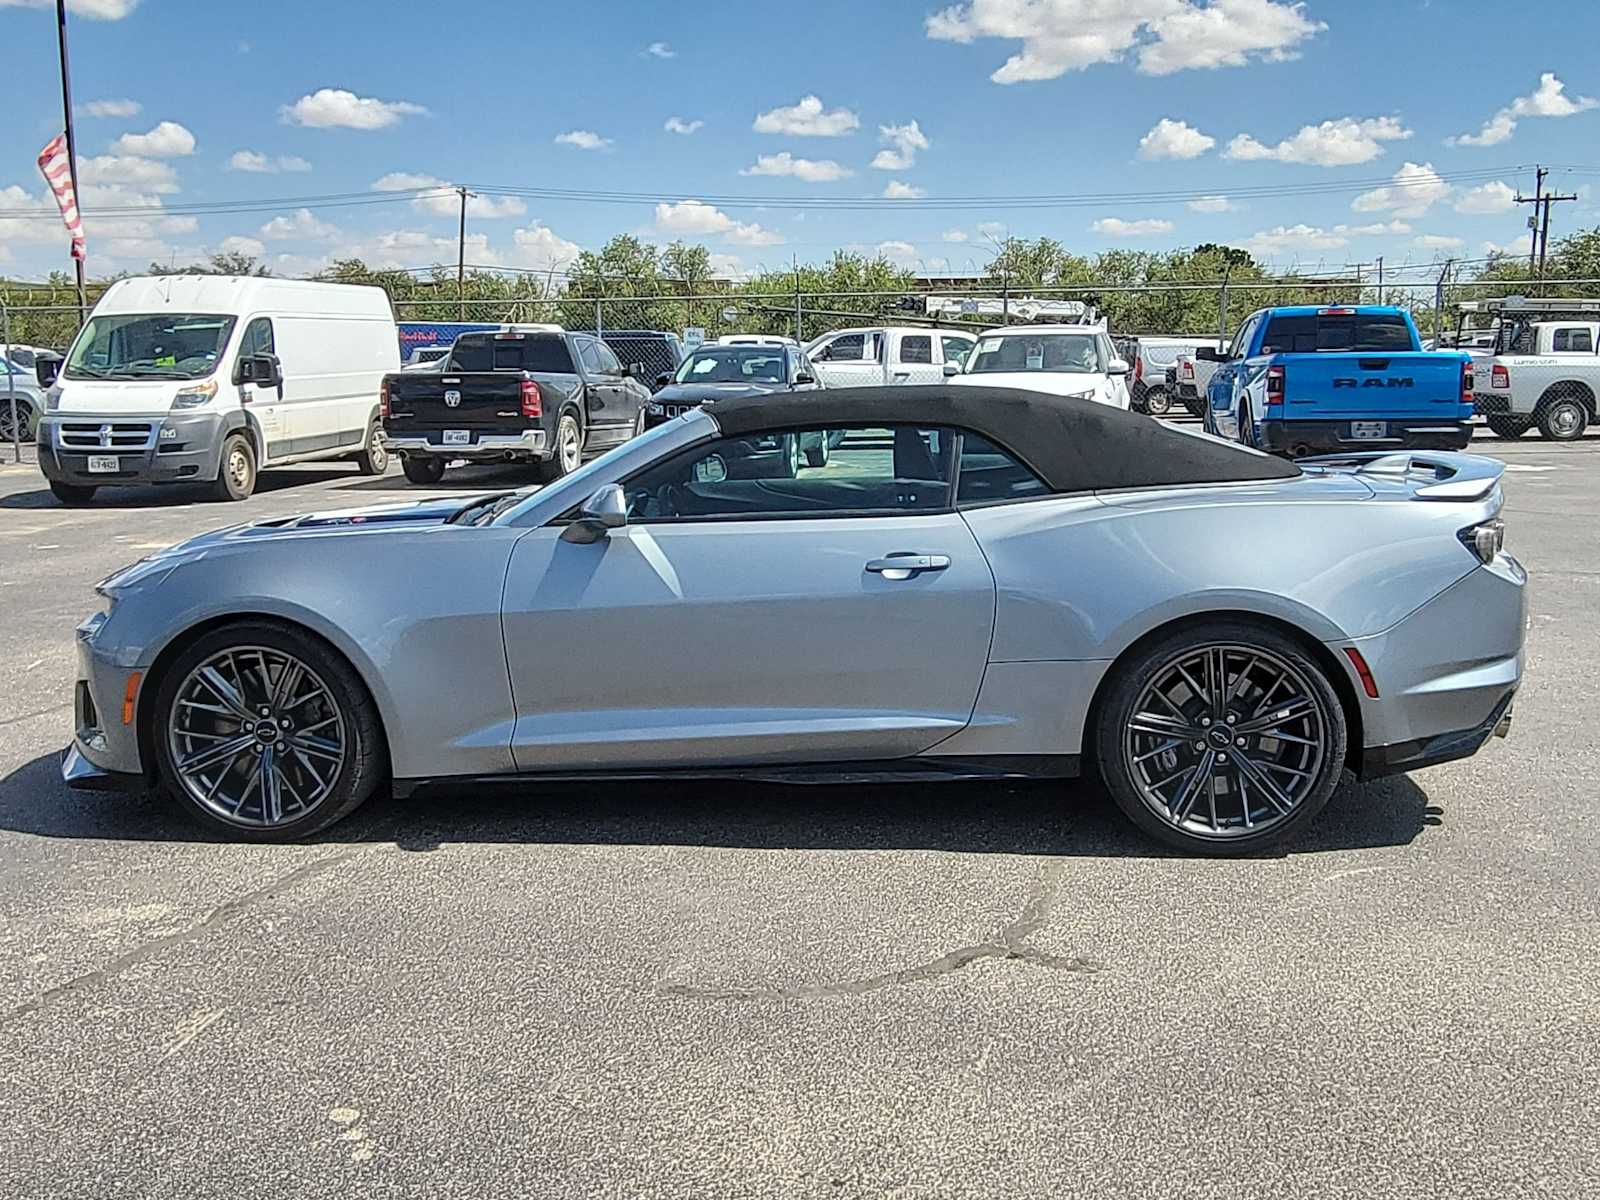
57, 169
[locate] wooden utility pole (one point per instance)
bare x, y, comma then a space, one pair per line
1537, 200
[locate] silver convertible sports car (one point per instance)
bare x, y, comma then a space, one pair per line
979, 583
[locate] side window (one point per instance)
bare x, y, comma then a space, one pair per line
845, 348
955, 349
258, 338
989, 474
916, 349
1575, 340
883, 471
608, 361
589, 352
1242, 339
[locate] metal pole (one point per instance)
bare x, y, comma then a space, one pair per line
1380, 279
799, 317
1438, 303
1005, 295
11, 382
461, 261
1544, 236
72, 143
1533, 227
1222, 306
599, 330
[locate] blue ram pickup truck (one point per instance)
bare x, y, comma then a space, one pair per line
1308, 379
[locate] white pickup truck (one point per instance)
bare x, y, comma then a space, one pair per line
879, 356
1543, 373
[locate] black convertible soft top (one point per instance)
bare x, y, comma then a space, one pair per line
1073, 445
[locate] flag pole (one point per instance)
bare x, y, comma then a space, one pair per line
72, 147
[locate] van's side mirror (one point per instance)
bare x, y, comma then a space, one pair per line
602, 512
46, 368
635, 371
951, 369
263, 370
1207, 354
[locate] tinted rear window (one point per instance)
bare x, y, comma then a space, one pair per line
527, 352
1316, 331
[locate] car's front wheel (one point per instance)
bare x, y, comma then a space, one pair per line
1221, 739
266, 733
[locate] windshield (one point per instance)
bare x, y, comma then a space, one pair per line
1069, 353
162, 346
733, 364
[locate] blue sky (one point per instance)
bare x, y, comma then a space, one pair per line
1218, 106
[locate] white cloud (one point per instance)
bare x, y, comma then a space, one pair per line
113, 108
1211, 204
242, 245
336, 108
1492, 197
953, 235
97, 10
899, 251
255, 163
679, 125
899, 190
127, 173
1377, 229
1167, 35
996, 230
1286, 239
1437, 241
659, 50
1516, 247
1117, 227
441, 199
302, 226
541, 248
1174, 139
1549, 99
902, 142
1339, 143
726, 266
695, 218
754, 235
583, 139
809, 170
808, 119
1416, 187
166, 140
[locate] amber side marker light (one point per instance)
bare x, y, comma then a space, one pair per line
129, 696
1368, 683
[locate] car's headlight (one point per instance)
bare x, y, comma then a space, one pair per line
654, 409
52, 399
195, 396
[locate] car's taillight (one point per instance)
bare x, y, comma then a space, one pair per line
1485, 540
1187, 368
1466, 383
532, 401
1274, 385
383, 399
1138, 368
1499, 377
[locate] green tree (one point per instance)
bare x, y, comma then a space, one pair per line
836, 294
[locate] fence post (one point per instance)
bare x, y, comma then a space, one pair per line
799, 311
599, 332
1222, 304
11, 382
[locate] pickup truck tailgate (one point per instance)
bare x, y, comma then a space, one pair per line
429, 400
1412, 384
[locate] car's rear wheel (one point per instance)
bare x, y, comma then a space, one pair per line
266, 733
817, 456
423, 468
1510, 428
567, 455
1221, 739
22, 431
1156, 402
1562, 417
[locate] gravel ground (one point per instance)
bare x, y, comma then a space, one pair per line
722, 990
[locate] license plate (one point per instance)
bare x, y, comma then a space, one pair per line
458, 437
1362, 430
103, 464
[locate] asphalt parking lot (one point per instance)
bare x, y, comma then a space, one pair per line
723, 990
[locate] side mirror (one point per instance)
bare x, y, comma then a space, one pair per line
1207, 354
662, 380
1118, 366
262, 370
602, 512
802, 379
951, 369
47, 369
635, 371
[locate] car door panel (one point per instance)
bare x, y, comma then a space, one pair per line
744, 641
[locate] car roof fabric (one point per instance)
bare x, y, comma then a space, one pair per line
1073, 445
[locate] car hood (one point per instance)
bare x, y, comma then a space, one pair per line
699, 393
1052, 383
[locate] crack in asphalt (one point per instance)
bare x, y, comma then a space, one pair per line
43, 712
155, 946
1006, 945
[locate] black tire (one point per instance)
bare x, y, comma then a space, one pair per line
374, 456
1156, 402
1128, 683
817, 456
423, 468
24, 431
1562, 418
1509, 428
236, 469
566, 455
72, 493
1196, 407
365, 765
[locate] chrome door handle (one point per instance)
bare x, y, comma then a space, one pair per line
904, 566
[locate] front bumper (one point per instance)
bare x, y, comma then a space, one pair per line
527, 445
1331, 437
172, 447
102, 743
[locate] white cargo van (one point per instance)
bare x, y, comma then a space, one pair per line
207, 378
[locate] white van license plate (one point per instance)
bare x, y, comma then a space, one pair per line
458, 437
1363, 430
103, 464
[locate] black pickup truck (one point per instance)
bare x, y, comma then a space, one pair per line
533, 394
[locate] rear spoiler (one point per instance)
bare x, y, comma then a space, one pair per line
1453, 476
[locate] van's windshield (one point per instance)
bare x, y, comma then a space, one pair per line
160, 346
